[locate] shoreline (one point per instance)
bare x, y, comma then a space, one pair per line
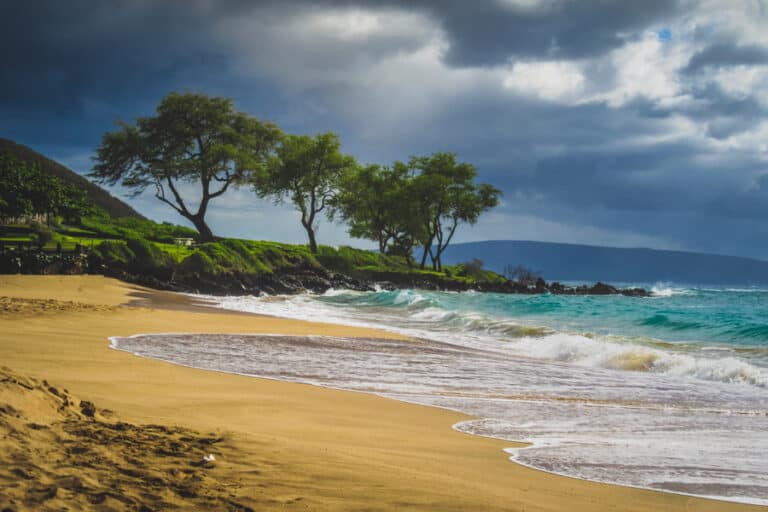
380, 452
511, 451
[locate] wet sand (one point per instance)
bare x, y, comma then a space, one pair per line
276, 445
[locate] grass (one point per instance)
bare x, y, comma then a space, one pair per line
143, 246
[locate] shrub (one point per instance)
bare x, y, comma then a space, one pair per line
198, 262
43, 236
114, 254
521, 274
147, 255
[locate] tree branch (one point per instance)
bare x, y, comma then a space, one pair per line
182, 207
160, 194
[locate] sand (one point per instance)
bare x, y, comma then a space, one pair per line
276, 445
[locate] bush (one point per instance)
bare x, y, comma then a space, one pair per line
114, 254
198, 262
348, 259
147, 255
521, 274
43, 236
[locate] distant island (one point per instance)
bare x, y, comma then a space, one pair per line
571, 262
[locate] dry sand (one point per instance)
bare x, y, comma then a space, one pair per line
277, 445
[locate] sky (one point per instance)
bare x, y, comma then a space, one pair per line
603, 122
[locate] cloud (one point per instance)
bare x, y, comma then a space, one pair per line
495, 32
546, 80
727, 55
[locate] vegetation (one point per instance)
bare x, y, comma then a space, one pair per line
28, 191
378, 203
308, 170
203, 141
447, 196
521, 274
101, 225
95, 195
192, 139
421, 202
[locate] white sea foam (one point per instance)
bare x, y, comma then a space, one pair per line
665, 290
600, 353
336, 292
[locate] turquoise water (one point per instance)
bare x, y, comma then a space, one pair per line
706, 316
710, 323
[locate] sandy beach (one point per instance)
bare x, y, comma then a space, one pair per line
276, 445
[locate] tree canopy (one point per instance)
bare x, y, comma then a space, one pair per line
193, 138
377, 205
307, 171
202, 140
447, 196
419, 203
26, 190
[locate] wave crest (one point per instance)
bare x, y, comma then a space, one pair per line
596, 352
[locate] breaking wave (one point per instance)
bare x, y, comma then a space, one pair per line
575, 330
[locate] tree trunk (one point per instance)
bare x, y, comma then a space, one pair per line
424, 255
206, 235
311, 235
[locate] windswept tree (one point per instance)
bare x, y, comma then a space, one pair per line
375, 203
307, 171
193, 138
447, 195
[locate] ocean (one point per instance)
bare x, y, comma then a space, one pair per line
668, 392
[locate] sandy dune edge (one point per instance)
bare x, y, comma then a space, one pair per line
284, 446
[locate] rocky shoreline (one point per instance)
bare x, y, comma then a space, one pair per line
320, 282
297, 280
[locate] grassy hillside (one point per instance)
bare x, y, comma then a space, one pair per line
100, 197
114, 239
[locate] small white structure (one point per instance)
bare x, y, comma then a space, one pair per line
184, 242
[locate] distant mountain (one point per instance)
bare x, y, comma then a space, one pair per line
99, 196
569, 262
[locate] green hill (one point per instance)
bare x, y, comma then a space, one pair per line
98, 196
110, 237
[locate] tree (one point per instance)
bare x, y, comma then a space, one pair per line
376, 204
15, 180
521, 274
446, 195
193, 138
26, 189
308, 171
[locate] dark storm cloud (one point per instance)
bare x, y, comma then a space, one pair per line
723, 115
727, 55
59, 53
494, 32
59, 56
